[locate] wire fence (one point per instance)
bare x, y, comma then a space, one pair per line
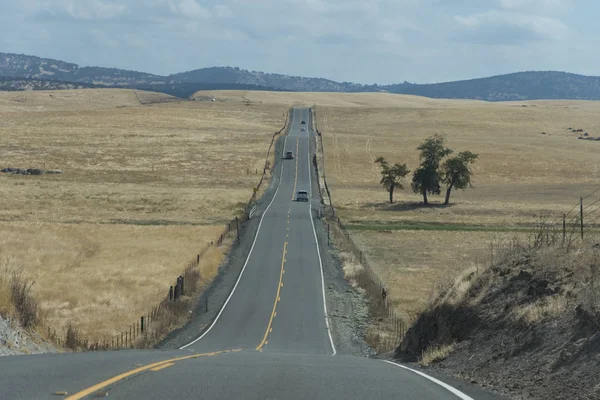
390, 328
580, 223
174, 307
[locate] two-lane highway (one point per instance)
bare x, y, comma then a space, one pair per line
270, 340
277, 303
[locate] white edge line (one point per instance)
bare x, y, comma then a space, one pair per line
317, 243
451, 389
251, 248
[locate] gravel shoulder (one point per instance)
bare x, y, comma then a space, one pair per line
347, 309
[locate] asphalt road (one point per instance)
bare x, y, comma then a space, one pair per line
270, 341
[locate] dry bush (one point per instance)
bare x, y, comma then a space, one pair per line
25, 304
16, 296
436, 353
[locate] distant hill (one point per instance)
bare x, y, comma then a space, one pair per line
23, 66
22, 72
278, 81
21, 84
534, 85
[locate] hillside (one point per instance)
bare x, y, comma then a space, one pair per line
20, 84
535, 309
277, 81
532, 85
23, 66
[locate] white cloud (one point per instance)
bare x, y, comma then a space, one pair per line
512, 26
366, 41
89, 10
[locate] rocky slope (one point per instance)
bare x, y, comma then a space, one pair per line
529, 326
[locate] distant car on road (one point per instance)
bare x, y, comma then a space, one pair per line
289, 155
303, 122
302, 195
303, 130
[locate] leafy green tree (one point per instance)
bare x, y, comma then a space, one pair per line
457, 172
426, 179
391, 177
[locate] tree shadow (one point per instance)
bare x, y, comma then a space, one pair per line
407, 206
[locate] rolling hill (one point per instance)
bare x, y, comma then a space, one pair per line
23, 72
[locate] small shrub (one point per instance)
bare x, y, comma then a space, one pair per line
24, 303
435, 353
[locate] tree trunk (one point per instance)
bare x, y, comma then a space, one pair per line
448, 195
392, 194
425, 197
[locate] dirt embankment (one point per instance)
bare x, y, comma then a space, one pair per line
528, 326
20, 315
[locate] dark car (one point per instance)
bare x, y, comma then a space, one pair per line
289, 155
303, 123
302, 195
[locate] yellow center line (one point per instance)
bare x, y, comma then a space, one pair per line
101, 385
167, 365
277, 299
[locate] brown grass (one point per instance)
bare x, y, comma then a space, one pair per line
435, 354
143, 189
521, 175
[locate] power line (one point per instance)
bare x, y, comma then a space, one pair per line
591, 204
591, 212
591, 194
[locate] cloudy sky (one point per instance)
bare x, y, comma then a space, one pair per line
366, 41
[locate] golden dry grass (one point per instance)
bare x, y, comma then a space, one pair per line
412, 264
143, 189
521, 176
435, 354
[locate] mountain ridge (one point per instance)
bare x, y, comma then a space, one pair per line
527, 85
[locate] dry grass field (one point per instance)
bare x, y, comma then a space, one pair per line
522, 176
143, 189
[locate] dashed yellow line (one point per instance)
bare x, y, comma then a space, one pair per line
277, 299
167, 365
154, 367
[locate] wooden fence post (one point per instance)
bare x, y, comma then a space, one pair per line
581, 215
237, 224
564, 228
142, 325
171, 294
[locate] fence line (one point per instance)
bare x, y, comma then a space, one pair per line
146, 329
578, 223
391, 327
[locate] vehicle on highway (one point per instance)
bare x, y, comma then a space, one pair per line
303, 122
289, 155
302, 195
